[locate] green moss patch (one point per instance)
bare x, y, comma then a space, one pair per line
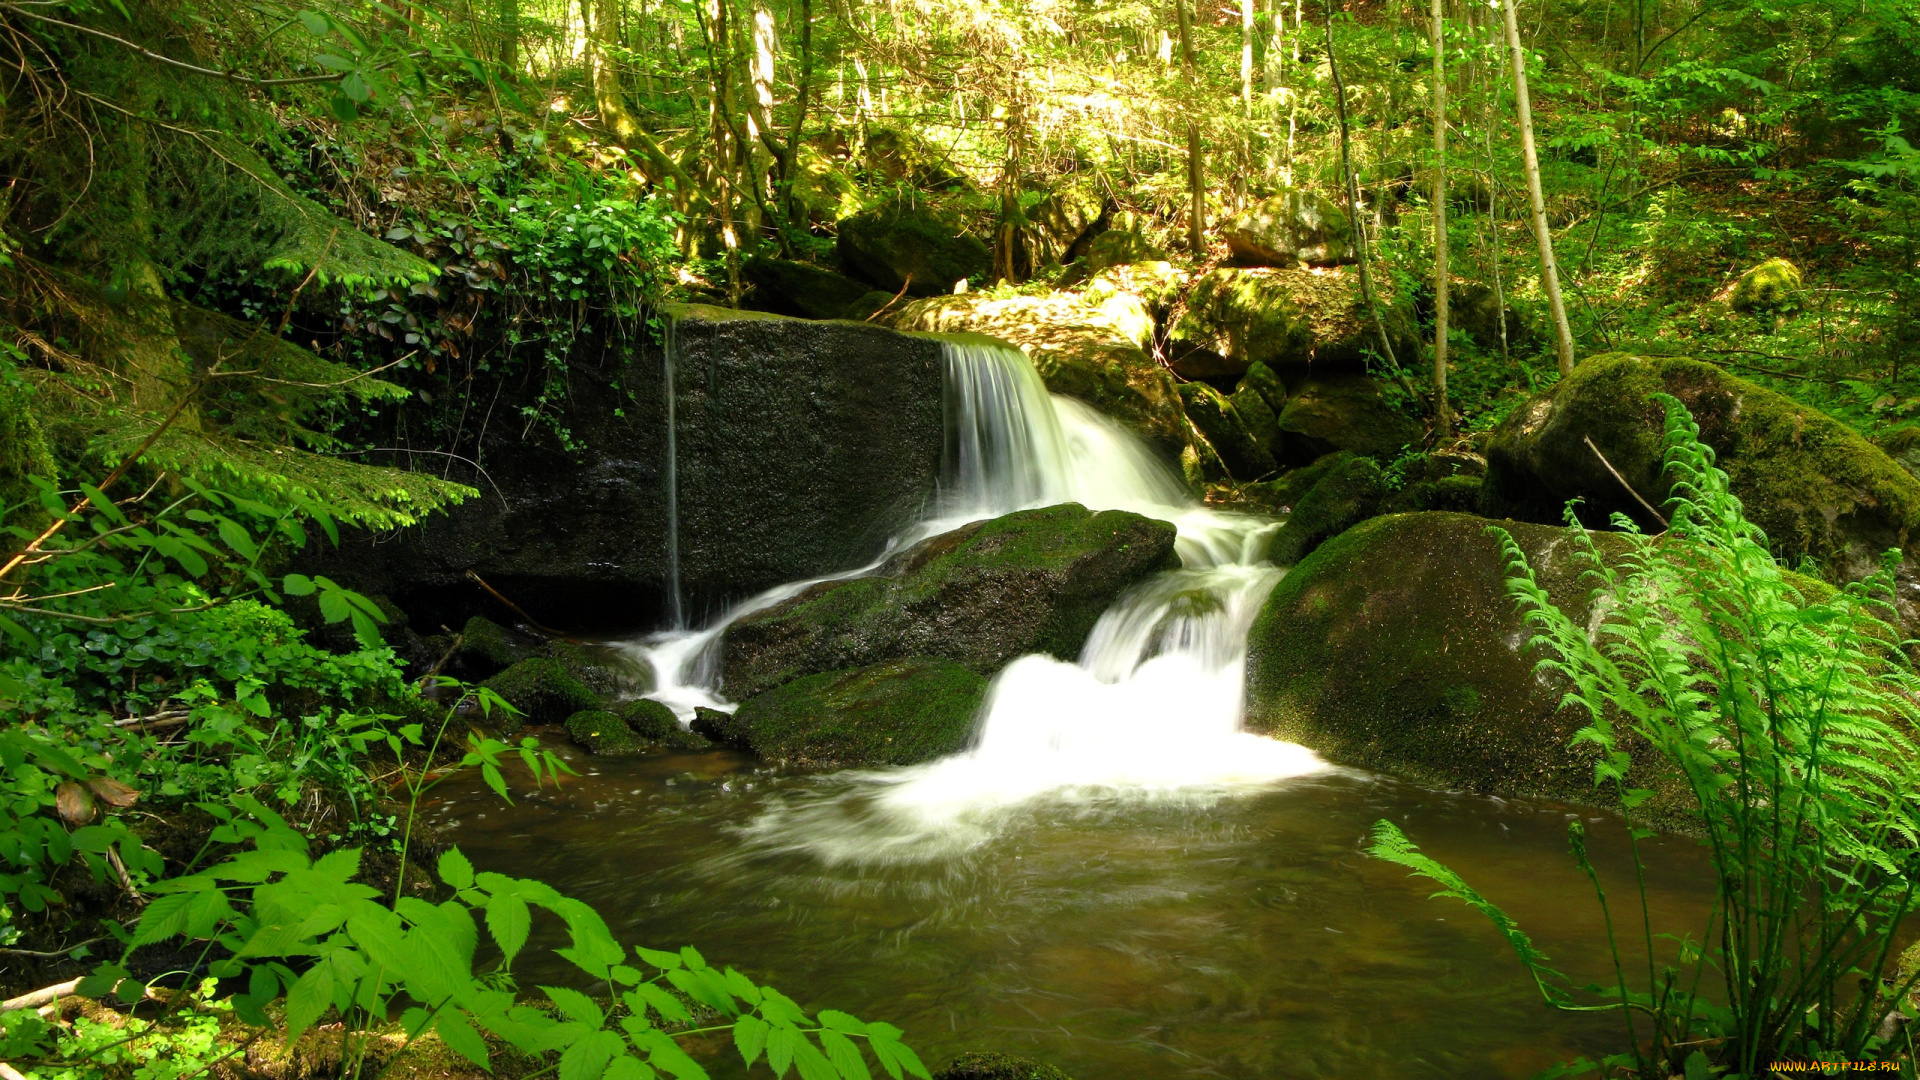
901, 712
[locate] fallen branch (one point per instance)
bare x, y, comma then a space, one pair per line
1657, 516
33, 999
53, 954
904, 286
515, 608
160, 721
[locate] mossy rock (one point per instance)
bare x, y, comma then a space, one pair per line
1396, 646
597, 667
1119, 247
1346, 413
986, 1065
1262, 380
1259, 418
1091, 353
1475, 310
719, 726
601, 732
901, 712
1227, 432
903, 245
648, 719
1156, 283
787, 287
1347, 493
490, 647
1816, 488
1286, 319
543, 692
1774, 285
1457, 494
1290, 228
980, 596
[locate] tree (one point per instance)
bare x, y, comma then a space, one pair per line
608, 94
1549, 271
1196, 165
1442, 418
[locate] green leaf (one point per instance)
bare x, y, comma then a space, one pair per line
315, 23
781, 1042
750, 1038
309, 998
455, 870
1697, 1066
813, 1064
508, 922
297, 585
670, 1008
628, 1067
664, 1054
575, 1005
843, 1055
665, 961
588, 1058
460, 1037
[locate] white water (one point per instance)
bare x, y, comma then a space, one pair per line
1152, 707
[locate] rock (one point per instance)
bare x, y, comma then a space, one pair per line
649, 719
823, 190
601, 732
1396, 647
899, 712
796, 288
1261, 380
985, 1065
1088, 353
1458, 494
982, 595
900, 154
541, 690
597, 668
1774, 285
1156, 285
719, 726
1258, 416
1475, 310
1346, 413
901, 241
1816, 488
1118, 247
1227, 432
1347, 492
1281, 318
486, 647
1280, 494
800, 447
1288, 229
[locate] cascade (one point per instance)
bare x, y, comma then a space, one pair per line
1152, 706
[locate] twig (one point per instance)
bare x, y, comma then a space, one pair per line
160, 721
904, 286
54, 953
515, 608
434, 673
33, 999
1657, 516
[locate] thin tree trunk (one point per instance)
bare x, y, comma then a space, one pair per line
1246, 101
1293, 101
508, 12
1353, 210
604, 38
1442, 415
1196, 165
1549, 272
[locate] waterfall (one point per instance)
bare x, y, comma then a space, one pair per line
1152, 706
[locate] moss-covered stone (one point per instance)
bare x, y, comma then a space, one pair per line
1290, 228
1395, 646
596, 667
904, 245
1259, 418
488, 647
901, 712
719, 726
601, 732
1119, 247
1817, 489
648, 719
796, 288
542, 690
1156, 283
1033, 581
1227, 432
986, 1065
1347, 493
1457, 494
1346, 413
1281, 318
1086, 352
1774, 285
1475, 310
1262, 380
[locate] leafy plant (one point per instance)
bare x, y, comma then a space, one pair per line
1785, 720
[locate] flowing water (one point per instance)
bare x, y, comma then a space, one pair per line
1115, 878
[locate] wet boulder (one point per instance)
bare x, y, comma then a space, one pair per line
1227, 432
1816, 488
1286, 319
898, 712
542, 692
1288, 229
1458, 494
1395, 646
980, 596
1091, 353
486, 647
1347, 491
1118, 247
1346, 413
598, 732
904, 245
785, 287
1154, 284
1774, 285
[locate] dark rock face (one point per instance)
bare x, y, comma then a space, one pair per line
1227, 431
1345, 413
785, 287
1395, 646
980, 596
801, 447
1816, 488
899, 243
900, 712
1288, 229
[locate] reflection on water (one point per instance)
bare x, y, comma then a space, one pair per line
1201, 937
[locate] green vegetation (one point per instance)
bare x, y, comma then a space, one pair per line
1787, 718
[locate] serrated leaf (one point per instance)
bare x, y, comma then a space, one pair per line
588, 1058
575, 1005
665, 961
453, 1029
508, 922
750, 1038
813, 1065
308, 999
455, 870
781, 1041
628, 1067
670, 1008
844, 1056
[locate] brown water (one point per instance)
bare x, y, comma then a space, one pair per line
1237, 937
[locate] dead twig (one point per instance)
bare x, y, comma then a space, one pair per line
515, 608
1657, 516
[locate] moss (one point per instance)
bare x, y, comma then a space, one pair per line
648, 719
797, 288
1032, 581
602, 732
542, 690
595, 667
1261, 380
1347, 413
1259, 417
901, 245
1227, 431
492, 645
23, 453
1288, 229
1459, 494
901, 712
1348, 492
1395, 646
986, 1065
1282, 318
1774, 285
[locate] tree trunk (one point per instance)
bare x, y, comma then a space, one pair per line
508, 12
1353, 210
1549, 271
1246, 101
1442, 414
603, 39
1196, 165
